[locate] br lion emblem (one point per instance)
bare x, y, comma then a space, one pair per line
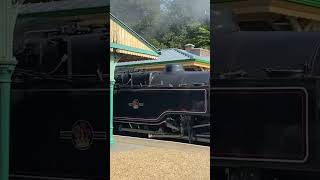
82, 135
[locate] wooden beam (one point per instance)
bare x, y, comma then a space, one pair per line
295, 10
272, 6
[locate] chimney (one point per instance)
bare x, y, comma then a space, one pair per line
189, 47
197, 51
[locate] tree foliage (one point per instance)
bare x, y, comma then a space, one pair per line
167, 23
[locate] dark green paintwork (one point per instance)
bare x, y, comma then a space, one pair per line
132, 49
111, 111
312, 3
113, 61
7, 64
5, 83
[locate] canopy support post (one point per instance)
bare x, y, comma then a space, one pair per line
8, 14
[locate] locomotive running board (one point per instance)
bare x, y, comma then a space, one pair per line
197, 138
137, 130
156, 134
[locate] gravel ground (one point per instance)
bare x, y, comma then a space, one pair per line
170, 162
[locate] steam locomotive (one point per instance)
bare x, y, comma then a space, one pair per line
265, 105
59, 102
169, 104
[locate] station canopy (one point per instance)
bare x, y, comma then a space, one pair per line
168, 56
123, 40
85, 12
128, 44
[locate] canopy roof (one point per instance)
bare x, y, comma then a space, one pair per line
172, 55
128, 43
93, 12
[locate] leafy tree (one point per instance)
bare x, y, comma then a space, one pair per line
167, 23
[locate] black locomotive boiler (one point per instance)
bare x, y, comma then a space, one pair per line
170, 104
265, 105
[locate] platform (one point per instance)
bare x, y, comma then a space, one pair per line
134, 158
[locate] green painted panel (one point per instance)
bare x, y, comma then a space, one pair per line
3, 26
111, 111
132, 49
113, 61
313, 3
5, 81
7, 65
